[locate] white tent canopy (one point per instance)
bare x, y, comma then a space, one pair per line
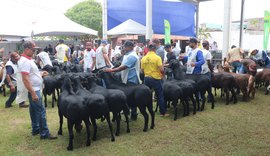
13, 23
129, 27
60, 25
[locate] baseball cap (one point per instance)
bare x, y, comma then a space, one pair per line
167, 46
104, 42
128, 44
193, 40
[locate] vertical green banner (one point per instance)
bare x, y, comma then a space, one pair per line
266, 29
167, 32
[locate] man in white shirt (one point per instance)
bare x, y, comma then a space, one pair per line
44, 61
89, 59
102, 58
32, 80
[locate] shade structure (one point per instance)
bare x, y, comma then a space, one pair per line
59, 25
14, 23
129, 27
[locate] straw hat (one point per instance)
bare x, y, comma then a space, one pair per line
250, 52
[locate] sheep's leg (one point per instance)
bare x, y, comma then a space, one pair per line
60, 132
71, 136
156, 107
193, 103
87, 126
175, 109
184, 107
93, 120
117, 118
53, 97
150, 110
209, 91
197, 100
187, 107
203, 100
234, 95
107, 116
226, 91
127, 121
145, 115
45, 98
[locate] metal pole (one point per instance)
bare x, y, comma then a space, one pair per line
241, 23
104, 20
226, 28
197, 20
148, 19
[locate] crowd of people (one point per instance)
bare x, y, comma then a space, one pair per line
150, 59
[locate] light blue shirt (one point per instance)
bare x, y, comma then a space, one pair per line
130, 63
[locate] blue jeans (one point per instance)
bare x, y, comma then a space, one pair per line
243, 69
157, 86
236, 66
11, 98
38, 116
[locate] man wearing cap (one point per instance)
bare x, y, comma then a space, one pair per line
32, 80
152, 67
235, 55
62, 52
249, 66
194, 58
11, 79
260, 56
102, 58
130, 69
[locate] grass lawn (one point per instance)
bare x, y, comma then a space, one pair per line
234, 129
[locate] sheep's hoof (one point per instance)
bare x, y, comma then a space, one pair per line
128, 130
60, 133
70, 148
88, 143
117, 134
94, 138
145, 130
152, 126
112, 139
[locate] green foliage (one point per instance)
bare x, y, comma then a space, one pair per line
87, 13
204, 34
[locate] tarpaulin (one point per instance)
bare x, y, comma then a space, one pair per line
180, 15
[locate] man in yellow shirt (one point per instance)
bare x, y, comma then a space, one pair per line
153, 70
62, 52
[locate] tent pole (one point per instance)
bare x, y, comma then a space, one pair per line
104, 20
148, 19
241, 23
226, 28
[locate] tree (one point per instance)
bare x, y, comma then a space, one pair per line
87, 13
204, 34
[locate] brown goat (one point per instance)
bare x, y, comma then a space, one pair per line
241, 81
263, 77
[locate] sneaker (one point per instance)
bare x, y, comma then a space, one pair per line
165, 115
8, 106
24, 106
50, 137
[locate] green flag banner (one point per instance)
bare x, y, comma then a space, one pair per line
167, 32
266, 29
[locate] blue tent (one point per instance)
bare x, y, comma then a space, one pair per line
179, 14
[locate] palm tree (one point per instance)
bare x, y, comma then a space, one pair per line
204, 34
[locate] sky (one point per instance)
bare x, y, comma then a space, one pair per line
209, 12
212, 11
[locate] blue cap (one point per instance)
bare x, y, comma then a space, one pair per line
104, 42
